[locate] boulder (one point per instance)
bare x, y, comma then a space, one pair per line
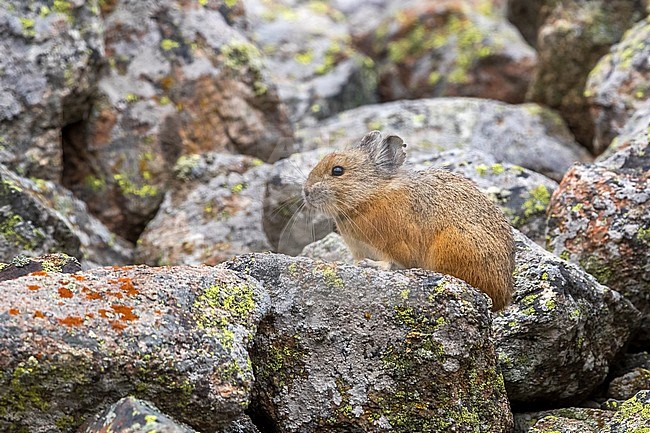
635, 132
23, 265
310, 57
28, 225
626, 386
599, 218
449, 48
331, 248
527, 135
212, 212
618, 85
174, 336
633, 415
175, 86
130, 415
51, 58
345, 348
562, 321
573, 38
521, 194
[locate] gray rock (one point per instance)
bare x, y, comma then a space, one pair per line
626, 386
526, 135
599, 218
241, 425
618, 85
174, 336
331, 248
561, 321
574, 36
212, 212
433, 49
635, 132
51, 57
98, 245
130, 415
28, 225
23, 265
175, 86
356, 349
310, 57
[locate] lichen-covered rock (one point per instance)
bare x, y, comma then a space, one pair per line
626, 386
599, 217
23, 265
572, 420
310, 57
130, 415
575, 35
181, 81
51, 56
635, 132
449, 48
331, 248
174, 336
241, 425
526, 135
633, 415
28, 225
212, 212
345, 348
618, 85
288, 225
520, 193
562, 321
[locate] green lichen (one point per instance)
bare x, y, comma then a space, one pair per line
305, 57
65, 422
565, 255
537, 201
21, 233
237, 188
600, 269
643, 234
169, 44
129, 187
185, 165
28, 26
242, 56
230, 3
329, 276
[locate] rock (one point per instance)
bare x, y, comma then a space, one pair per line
526, 135
308, 50
575, 35
212, 212
356, 349
288, 225
573, 420
331, 248
633, 415
449, 48
618, 85
23, 265
626, 386
522, 194
563, 321
175, 86
28, 225
634, 131
241, 425
51, 56
174, 336
130, 415
599, 218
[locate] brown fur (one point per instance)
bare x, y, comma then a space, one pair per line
433, 219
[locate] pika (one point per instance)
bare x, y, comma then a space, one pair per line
431, 219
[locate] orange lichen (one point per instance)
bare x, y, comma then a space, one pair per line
117, 325
14, 312
72, 321
93, 296
118, 295
90, 315
128, 287
125, 312
78, 277
39, 274
158, 312
39, 315
33, 287
65, 293
104, 313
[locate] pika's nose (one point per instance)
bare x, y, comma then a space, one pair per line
305, 192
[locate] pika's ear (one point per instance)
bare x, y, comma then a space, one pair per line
388, 153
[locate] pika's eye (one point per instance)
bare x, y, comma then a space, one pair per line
337, 170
